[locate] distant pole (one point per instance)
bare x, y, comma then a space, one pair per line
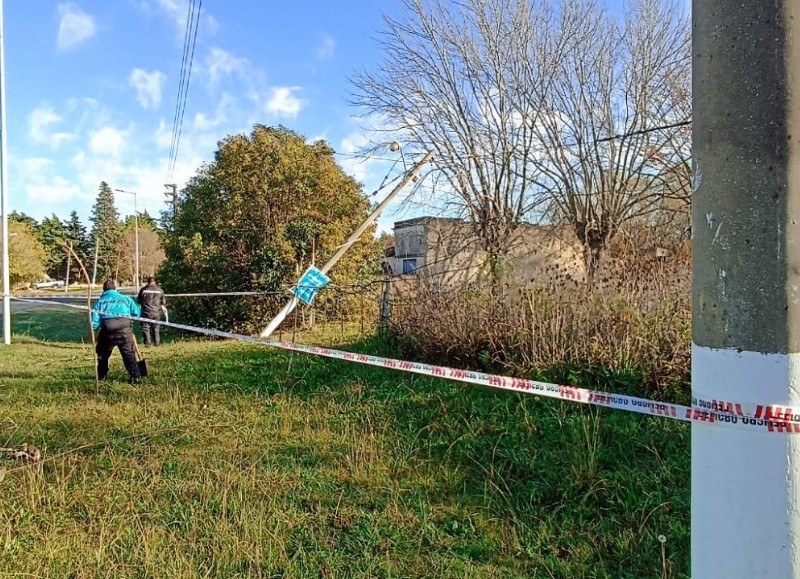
136, 241
746, 284
69, 264
173, 195
96, 252
4, 187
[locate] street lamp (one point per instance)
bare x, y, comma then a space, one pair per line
135, 236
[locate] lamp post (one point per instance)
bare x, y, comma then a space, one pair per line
4, 190
135, 237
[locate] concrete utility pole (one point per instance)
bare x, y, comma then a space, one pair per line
746, 283
172, 197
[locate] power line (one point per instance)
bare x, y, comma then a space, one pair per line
181, 81
190, 41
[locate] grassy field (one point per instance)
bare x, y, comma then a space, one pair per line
239, 461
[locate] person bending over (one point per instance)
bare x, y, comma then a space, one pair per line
115, 330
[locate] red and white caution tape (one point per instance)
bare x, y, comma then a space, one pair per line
766, 418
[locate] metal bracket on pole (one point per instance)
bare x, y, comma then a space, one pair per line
410, 176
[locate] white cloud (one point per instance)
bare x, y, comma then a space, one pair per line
204, 122
52, 190
350, 146
39, 123
221, 63
319, 137
163, 135
351, 149
108, 141
75, 26
36, 165
327, 47
282, 101
148, 86
178, 12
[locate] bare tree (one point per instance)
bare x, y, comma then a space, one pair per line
606, 157
449, 82
541, 110
151, 251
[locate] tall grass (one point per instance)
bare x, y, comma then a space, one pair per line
632, 325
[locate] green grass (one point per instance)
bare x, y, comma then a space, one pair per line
241, 461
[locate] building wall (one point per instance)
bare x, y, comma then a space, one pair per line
447, 254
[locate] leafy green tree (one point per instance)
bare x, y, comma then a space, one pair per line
26, 255
106, 231
253, 218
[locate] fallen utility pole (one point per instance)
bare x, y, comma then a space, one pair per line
410, 176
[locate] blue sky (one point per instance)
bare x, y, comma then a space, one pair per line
91, 89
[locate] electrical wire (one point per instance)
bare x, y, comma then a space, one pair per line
187, 60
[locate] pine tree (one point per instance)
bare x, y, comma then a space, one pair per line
81, 245
52, 234
105, 232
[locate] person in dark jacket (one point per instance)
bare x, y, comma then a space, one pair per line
153, 302
115, 330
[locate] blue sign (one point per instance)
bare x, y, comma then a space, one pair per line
310, 283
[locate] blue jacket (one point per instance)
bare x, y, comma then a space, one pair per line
110, 306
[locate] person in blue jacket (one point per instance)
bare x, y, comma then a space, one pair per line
115, 330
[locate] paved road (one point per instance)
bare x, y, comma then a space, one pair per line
18, 306
55, 298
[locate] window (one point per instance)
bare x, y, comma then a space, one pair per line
409, 265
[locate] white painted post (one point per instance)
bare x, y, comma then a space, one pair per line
4, 186
746, 283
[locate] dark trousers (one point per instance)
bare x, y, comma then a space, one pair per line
122, 339
151, 333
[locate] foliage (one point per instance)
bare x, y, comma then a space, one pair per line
252, 219
106, 232
20, 217
241, 461
26, 255
52, 233
78, 238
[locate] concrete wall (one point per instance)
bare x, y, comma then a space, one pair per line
453, 257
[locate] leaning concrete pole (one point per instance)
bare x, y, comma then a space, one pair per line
746, 283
